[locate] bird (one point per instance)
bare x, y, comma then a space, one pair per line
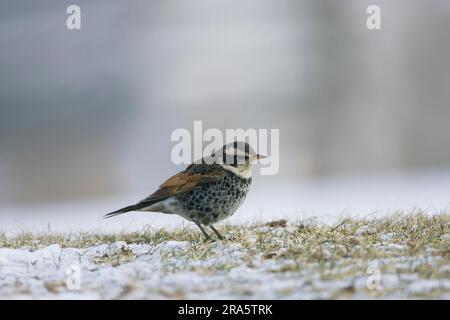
207, 191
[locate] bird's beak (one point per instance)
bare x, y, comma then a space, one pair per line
260, 156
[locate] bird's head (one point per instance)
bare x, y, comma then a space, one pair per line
238, 157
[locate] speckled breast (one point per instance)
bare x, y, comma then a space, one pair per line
215, 201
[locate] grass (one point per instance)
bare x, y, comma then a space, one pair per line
403, 244
357, 238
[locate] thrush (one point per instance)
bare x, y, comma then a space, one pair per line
205, 192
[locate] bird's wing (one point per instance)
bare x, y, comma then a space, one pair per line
183, 182
192, 177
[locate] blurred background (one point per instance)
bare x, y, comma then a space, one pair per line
86, 115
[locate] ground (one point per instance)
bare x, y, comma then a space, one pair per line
400, 256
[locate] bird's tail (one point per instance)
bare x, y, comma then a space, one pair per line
123, 210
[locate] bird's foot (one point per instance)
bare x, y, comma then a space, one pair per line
217, 233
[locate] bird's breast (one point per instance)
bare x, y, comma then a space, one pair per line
214, 201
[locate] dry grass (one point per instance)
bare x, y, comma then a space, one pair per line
348, 238
414, 234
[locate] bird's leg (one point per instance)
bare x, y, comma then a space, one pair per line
216, 232
203, 230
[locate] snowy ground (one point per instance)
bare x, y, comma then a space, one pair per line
400, 257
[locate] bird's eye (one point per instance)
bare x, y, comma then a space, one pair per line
235, 161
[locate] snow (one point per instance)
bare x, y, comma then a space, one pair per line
163, 271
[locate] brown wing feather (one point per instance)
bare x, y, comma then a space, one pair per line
194, 176
183, 182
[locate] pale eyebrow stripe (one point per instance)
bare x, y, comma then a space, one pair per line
237, 152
